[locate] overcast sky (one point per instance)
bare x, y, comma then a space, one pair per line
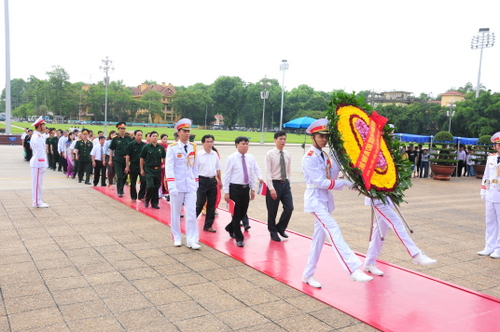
416, 46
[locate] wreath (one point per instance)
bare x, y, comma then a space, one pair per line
366, 151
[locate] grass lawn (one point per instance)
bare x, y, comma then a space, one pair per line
220, 135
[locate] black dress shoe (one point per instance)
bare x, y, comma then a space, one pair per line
87, 183
146, 204
156, 207
210, 229
120, 195
283, 234
239, 243
247, 227
275, 237
231, 234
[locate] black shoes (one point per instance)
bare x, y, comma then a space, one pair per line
146, 204
283, 234
275, 237
247, 227
156, 207
231, 234
239, 243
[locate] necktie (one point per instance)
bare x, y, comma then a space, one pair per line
282, 166
102, 152
245, 171
186, 148
498, 160
322, 155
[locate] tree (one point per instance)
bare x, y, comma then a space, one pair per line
228, 94
57, 93
193, 103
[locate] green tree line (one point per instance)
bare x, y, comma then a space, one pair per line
241, 105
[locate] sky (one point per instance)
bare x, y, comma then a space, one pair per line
415, 46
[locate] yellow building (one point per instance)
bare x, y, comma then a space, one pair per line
167, 91
390, 97
451, 97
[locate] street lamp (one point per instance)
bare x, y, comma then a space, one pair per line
284, 66
450, 113
264, 95
106, 67
484, 40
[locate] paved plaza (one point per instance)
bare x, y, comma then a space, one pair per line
90, 263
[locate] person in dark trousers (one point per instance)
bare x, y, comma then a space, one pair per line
133, 167
152, 157
117, 153
83, 148
209, 179
98, 159
278, 166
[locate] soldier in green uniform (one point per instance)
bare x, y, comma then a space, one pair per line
152, 161
117, 153
83, 147
133, 166
48, 144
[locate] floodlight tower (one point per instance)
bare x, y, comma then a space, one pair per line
106, 67
284, 66
483, 40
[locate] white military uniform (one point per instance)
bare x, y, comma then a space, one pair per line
181, 171
38, 165
321, 177
387, 218
490, 191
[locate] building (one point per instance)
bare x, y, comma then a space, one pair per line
451, 97
168, 115
390, 97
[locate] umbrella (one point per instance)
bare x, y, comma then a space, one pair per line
303, 122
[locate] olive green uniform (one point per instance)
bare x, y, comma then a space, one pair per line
134, 150
119, 146
50, 158
153, 157
84, 159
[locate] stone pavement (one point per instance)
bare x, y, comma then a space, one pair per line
90, 263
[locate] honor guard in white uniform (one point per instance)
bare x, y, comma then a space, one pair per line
388, 218
38, 163
182, 178
490, 192
321, 177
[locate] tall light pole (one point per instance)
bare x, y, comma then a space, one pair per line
484, 40
106, 67
8, 102
450, 113
284, 66
264, 95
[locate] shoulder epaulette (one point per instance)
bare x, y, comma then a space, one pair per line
173, 144
310, 153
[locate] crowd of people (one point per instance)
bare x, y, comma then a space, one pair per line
420, 157
191, 179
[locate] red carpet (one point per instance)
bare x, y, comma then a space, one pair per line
401, 300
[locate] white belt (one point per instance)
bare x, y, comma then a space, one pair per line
311, 186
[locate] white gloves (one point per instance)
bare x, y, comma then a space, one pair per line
339, 184
483, 197
173, 192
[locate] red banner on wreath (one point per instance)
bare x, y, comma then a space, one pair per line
371, 148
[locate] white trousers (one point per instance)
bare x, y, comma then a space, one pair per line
189, 201
492, 226
325, 225
388, 218
37, 174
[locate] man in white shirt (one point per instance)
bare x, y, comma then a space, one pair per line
61, 149
23, 136
239, 181
209, 174
98, 158
278, 165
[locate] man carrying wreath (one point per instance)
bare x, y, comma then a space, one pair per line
321, 177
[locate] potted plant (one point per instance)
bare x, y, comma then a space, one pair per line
443, 162
480, 154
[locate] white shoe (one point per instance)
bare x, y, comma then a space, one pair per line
359, 276
194, 246
43, 205
312, 282
177, 243
485, 252
495, 254
373, 270
422, 259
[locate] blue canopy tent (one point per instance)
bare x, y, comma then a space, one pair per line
299, 123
